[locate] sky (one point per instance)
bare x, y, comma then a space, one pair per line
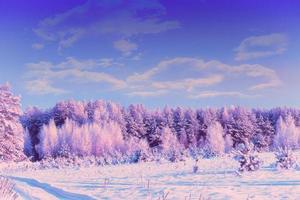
192, 53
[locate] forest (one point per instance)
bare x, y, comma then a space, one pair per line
108, 130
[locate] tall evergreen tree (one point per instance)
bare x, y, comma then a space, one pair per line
11, 131
191, 127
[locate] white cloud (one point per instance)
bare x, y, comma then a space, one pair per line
37, 46
128, 26
40, 86
261, 46
269, 76
125, 47
165, 64
73, 63
108, 62
41, 75
203, 74
189, 83
212, 94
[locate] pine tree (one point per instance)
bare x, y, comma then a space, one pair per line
201, 133
11, 131
178, 121
134, 121
153, 126
240, 125
191, 127
264, 132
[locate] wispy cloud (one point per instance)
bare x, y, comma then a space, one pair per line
270, 77
72, 63
128, 26
261, 46
204, 75
42, 86
37, 46
101, 18
147, 93
41, 75
188, 83
212, 94
165, 64
125, 47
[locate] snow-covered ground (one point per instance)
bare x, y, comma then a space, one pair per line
216, 179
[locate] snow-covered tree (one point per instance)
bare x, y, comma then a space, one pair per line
167, 115
170, 145
191, 127
215, 138
33, 121
134, 121
178, 124
71, 109
48, 140
97, 112
240, 125
80, 140
153, 124
287, 133
11, 131
264, 132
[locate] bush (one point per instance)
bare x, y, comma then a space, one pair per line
285, 158
247, 158
7, 189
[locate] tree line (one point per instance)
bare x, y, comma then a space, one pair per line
107, 129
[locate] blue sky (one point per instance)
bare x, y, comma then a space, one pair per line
190, 53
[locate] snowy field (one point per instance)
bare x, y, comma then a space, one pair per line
216, 179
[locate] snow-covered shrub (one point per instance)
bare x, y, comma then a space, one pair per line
195, 168
195, 153
287, 133
11, 131
285, 158
138, 150
248, 159
7, 189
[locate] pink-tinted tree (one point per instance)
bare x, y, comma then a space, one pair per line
11, 131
